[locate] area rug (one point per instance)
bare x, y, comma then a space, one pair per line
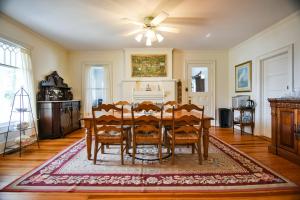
227, 169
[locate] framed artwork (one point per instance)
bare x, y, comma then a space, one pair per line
243, 77
143, 65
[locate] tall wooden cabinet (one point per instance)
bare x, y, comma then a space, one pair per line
58, 114
286, 128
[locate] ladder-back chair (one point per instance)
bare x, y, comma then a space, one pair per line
187, 128
147, 127
108, 128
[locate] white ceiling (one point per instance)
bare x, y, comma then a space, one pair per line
97, 24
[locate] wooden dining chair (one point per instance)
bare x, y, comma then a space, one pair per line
147, 128
186, 129
108, 128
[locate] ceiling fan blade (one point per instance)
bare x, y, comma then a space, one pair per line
167, 29
159, 18
131, 21
133, 32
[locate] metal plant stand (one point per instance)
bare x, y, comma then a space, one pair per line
21, 106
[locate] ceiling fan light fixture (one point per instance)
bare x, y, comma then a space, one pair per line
150, 34
139, 37
148, 42
159, 37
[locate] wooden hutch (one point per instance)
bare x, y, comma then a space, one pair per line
286, 128
58, 113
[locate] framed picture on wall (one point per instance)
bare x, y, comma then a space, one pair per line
243, 77
149, 65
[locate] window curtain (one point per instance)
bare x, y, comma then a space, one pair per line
96, 86
27, 78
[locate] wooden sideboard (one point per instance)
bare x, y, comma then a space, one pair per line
58, 114
285, 128
57, 118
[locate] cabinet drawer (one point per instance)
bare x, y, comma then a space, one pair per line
76, 104
66, 105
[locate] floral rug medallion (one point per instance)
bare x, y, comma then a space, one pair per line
226, 169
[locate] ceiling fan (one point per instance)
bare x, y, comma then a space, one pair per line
151, 28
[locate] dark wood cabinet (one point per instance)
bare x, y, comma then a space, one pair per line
58, 114
286, 128
58, 118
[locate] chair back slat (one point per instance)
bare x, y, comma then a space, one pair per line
146, 129
188, 119
106, 128
107, 118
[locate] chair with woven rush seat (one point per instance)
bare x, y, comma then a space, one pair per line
108, 128
147, 127
187, 129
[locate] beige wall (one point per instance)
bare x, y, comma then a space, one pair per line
77, 59
116, 58
180, 58
281, 34
46, 55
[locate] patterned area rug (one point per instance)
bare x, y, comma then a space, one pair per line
226, 169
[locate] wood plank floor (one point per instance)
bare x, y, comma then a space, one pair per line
12, 167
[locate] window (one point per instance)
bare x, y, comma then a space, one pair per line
15, 72
96, 86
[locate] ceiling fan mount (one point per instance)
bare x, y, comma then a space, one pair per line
147, 21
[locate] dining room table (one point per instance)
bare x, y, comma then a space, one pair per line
167, 120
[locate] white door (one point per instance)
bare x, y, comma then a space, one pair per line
201, 85
275, 82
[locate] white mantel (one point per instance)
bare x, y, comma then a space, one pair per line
162, 88
167, 88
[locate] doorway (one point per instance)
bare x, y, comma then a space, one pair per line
276, 80
201, 85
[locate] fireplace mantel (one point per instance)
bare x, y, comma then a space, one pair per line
163, 90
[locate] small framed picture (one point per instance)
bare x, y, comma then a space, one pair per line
243, 77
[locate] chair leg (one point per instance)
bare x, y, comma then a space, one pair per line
102, 148
160, 153
133, 152
122, 151
193, 148
173, 153
199, 152
127, 146
95, 151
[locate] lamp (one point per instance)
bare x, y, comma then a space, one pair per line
151, 35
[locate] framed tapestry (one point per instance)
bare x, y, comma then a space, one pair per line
149, 65
243, 77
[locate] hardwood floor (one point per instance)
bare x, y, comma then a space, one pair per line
12, 167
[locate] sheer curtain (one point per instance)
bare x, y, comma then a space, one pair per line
96, 85
27, 78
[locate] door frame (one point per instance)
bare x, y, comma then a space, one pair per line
84, 65
212, 64
260, 73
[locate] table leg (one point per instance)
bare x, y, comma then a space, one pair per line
206, 126
88, 138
